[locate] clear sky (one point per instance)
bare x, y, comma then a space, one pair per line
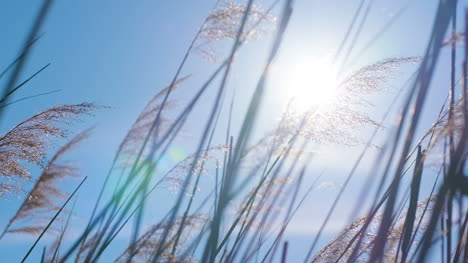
119, 53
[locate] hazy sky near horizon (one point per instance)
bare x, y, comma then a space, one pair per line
119, 53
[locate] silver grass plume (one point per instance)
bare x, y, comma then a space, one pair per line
176, 176
337, 121
444, 127
147, 244
457, 38
337, 249
224, 22
28, 142
267, 200
41, 200
135, 137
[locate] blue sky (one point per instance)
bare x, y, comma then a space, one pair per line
119, 53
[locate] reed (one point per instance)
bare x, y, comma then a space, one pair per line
257, 182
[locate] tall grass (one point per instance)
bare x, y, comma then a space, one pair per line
265, 176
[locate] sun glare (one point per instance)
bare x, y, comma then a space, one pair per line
311, 83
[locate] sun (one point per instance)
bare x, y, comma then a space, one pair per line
310, 82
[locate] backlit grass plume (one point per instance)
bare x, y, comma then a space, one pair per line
343, 248
337, 121
444, 127
147, 244
43, 197
29, 141
224, 22
176, 176
137, 134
